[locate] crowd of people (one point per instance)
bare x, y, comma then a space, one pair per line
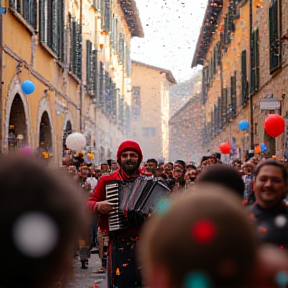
219, 225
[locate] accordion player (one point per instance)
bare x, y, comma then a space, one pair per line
133, 201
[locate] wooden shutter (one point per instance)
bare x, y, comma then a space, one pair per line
257, 59
95, 75
42, 21
274, 35
60, 30
233, 96
101, 86
244, 77
88, 64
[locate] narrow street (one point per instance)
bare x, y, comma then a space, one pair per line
85, 278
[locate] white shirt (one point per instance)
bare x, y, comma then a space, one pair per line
93, 182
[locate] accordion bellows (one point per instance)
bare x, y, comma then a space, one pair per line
133, 200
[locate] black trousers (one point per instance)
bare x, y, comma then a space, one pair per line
123, 269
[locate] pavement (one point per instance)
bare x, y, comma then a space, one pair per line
85, 278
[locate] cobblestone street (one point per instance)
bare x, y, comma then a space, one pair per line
85, 278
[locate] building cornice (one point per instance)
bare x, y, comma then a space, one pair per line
132, 17
209, 25
168, 73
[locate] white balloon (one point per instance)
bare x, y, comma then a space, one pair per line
76, 141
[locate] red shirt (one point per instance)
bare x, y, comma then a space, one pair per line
99, 194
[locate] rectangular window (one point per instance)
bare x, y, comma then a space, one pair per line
274, 34
27, 8
89, 68
204, 85
149, 131
101, 86
219, 114
136, 102
254, 62
121, 48
244, 81
120, 107
233, 96
75, 48
224, 103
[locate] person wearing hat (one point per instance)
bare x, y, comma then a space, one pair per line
123, 268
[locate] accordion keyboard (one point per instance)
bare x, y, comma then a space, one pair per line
116, 219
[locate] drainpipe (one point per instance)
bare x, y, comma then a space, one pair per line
251, 93
81, 77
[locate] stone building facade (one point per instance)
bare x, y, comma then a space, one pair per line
243, 49
77, 54
150, 109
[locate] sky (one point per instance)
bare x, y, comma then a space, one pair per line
171, 29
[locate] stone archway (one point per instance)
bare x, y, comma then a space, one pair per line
45, 134
17, 128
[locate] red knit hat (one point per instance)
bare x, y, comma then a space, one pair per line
129, 145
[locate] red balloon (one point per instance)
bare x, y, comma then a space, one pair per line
274, 125
225, 148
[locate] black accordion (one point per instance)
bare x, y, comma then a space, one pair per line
133, 201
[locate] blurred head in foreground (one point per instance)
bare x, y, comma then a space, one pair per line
40, 218
198, 241
225, 175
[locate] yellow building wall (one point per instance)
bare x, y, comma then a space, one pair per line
39, 66
154, 111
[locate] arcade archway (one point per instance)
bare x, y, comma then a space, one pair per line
45, 134
17, 134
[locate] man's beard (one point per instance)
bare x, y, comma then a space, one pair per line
130, 167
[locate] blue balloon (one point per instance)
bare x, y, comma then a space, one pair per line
263, 147
28, 87
243, 125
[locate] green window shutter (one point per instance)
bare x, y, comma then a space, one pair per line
128, 66
121, 48
107, 15
244, 77
74, 44
42, 21
101, 86
257, 60
274, 35
49, 15
79, 52
114, 103
219, 114
88, 64
233, 96
60, 30
224, 107
252, 64
95, 74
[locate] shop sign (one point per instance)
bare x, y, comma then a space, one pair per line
269, 104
